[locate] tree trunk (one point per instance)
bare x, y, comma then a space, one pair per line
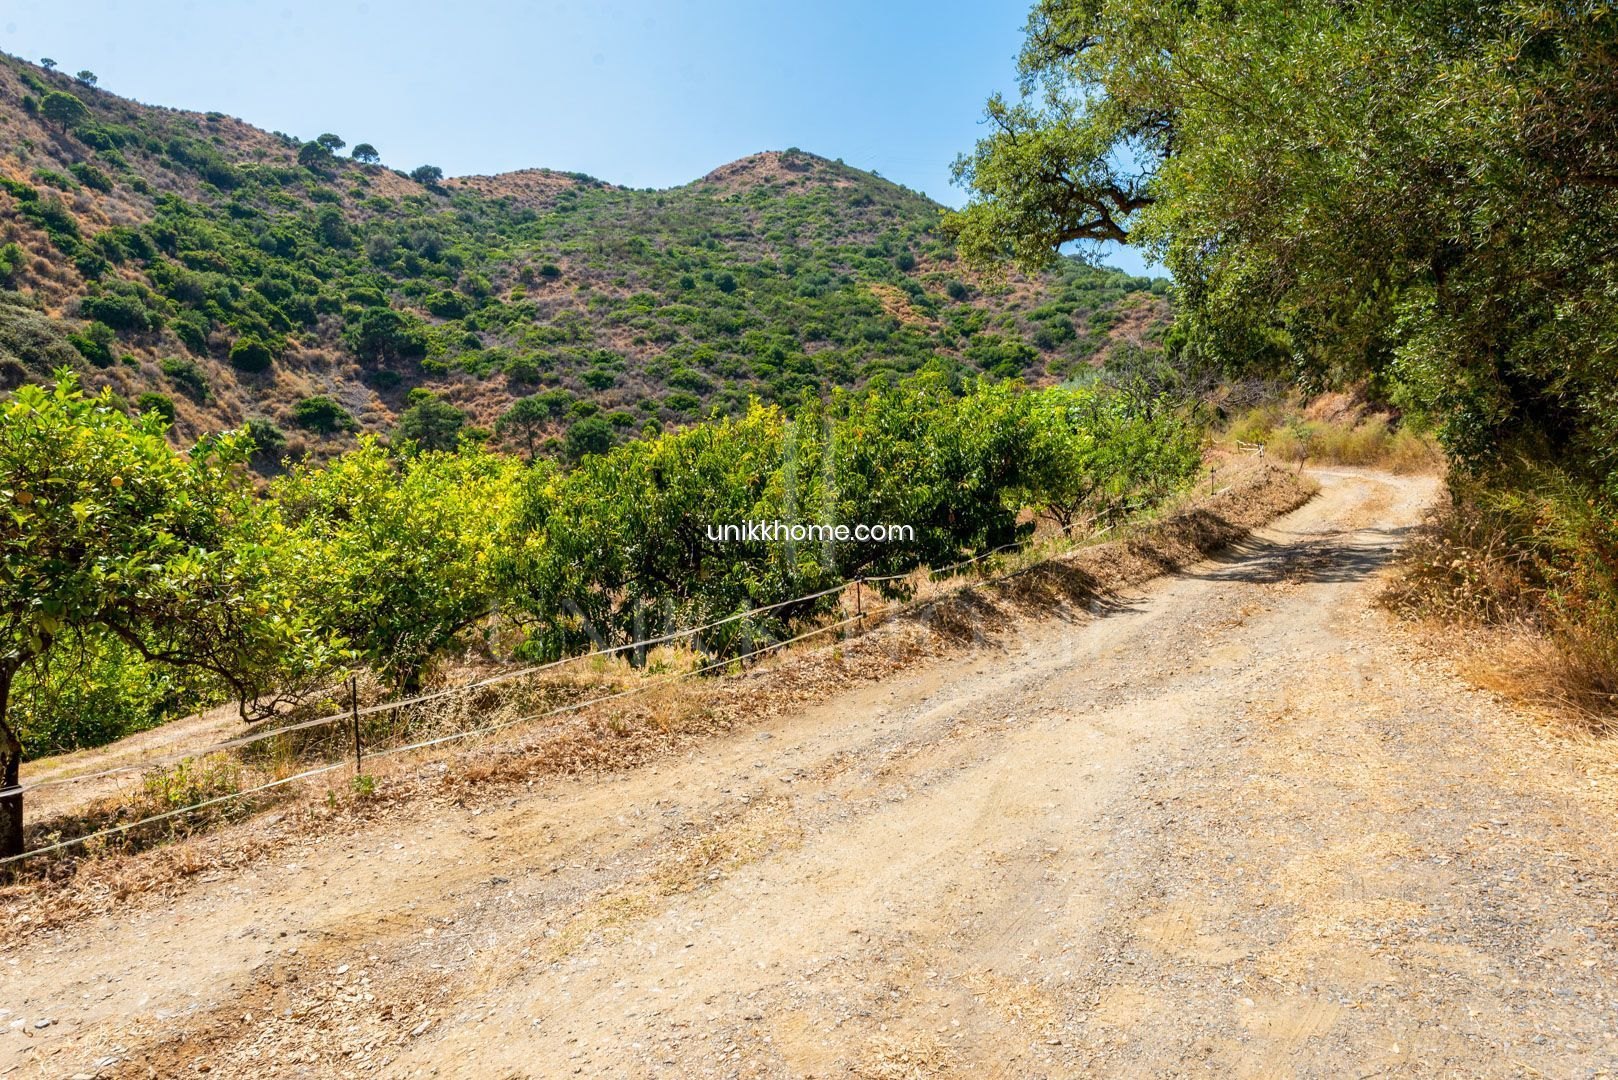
10, 766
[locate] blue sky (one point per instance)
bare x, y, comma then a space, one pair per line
636, 92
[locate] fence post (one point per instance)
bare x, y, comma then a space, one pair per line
859, 598
354, 715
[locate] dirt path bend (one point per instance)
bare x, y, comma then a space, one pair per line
1233, 826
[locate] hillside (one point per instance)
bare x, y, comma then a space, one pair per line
198, 265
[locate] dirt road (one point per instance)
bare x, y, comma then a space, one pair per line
1238, 825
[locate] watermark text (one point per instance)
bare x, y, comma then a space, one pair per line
753, 532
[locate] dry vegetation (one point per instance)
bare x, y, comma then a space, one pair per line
1335, 429
667, 715
1520, 569
778, 273
1515, 561
1517, 565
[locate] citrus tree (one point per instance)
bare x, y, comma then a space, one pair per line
393, 550
1091, 454
108, 530
915, 453
618, 549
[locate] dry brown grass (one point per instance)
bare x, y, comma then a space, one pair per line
1140, 313
1522, 575
896, 305
1567, 681
538, 188
1335, 429
667, 717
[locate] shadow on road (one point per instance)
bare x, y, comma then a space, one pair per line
1345, 558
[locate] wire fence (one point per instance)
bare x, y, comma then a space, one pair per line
424, 744
355, 712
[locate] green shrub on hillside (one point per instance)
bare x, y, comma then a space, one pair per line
95, 343
269, 442
187, 375
12, 260
589, 435
431, 424
157, 404
120, 311
90, 176
323, 414
251, 355
382, 335
31, 341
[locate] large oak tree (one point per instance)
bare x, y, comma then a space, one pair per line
1423, 194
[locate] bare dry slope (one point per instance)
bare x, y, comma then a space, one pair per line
1235, 826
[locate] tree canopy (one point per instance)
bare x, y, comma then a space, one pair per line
394, 552
108, 531
63, 109
314, 155
1420, 194
526, 418
431, 423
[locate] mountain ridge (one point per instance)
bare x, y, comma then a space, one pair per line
226, 275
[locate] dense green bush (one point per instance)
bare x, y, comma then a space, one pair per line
158, 404
187, 375
90, 176
95, 343
431, 424
269, 442
251, 355
118, 310
323, 414
590, 435
447, 305
382, 335
12, 260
